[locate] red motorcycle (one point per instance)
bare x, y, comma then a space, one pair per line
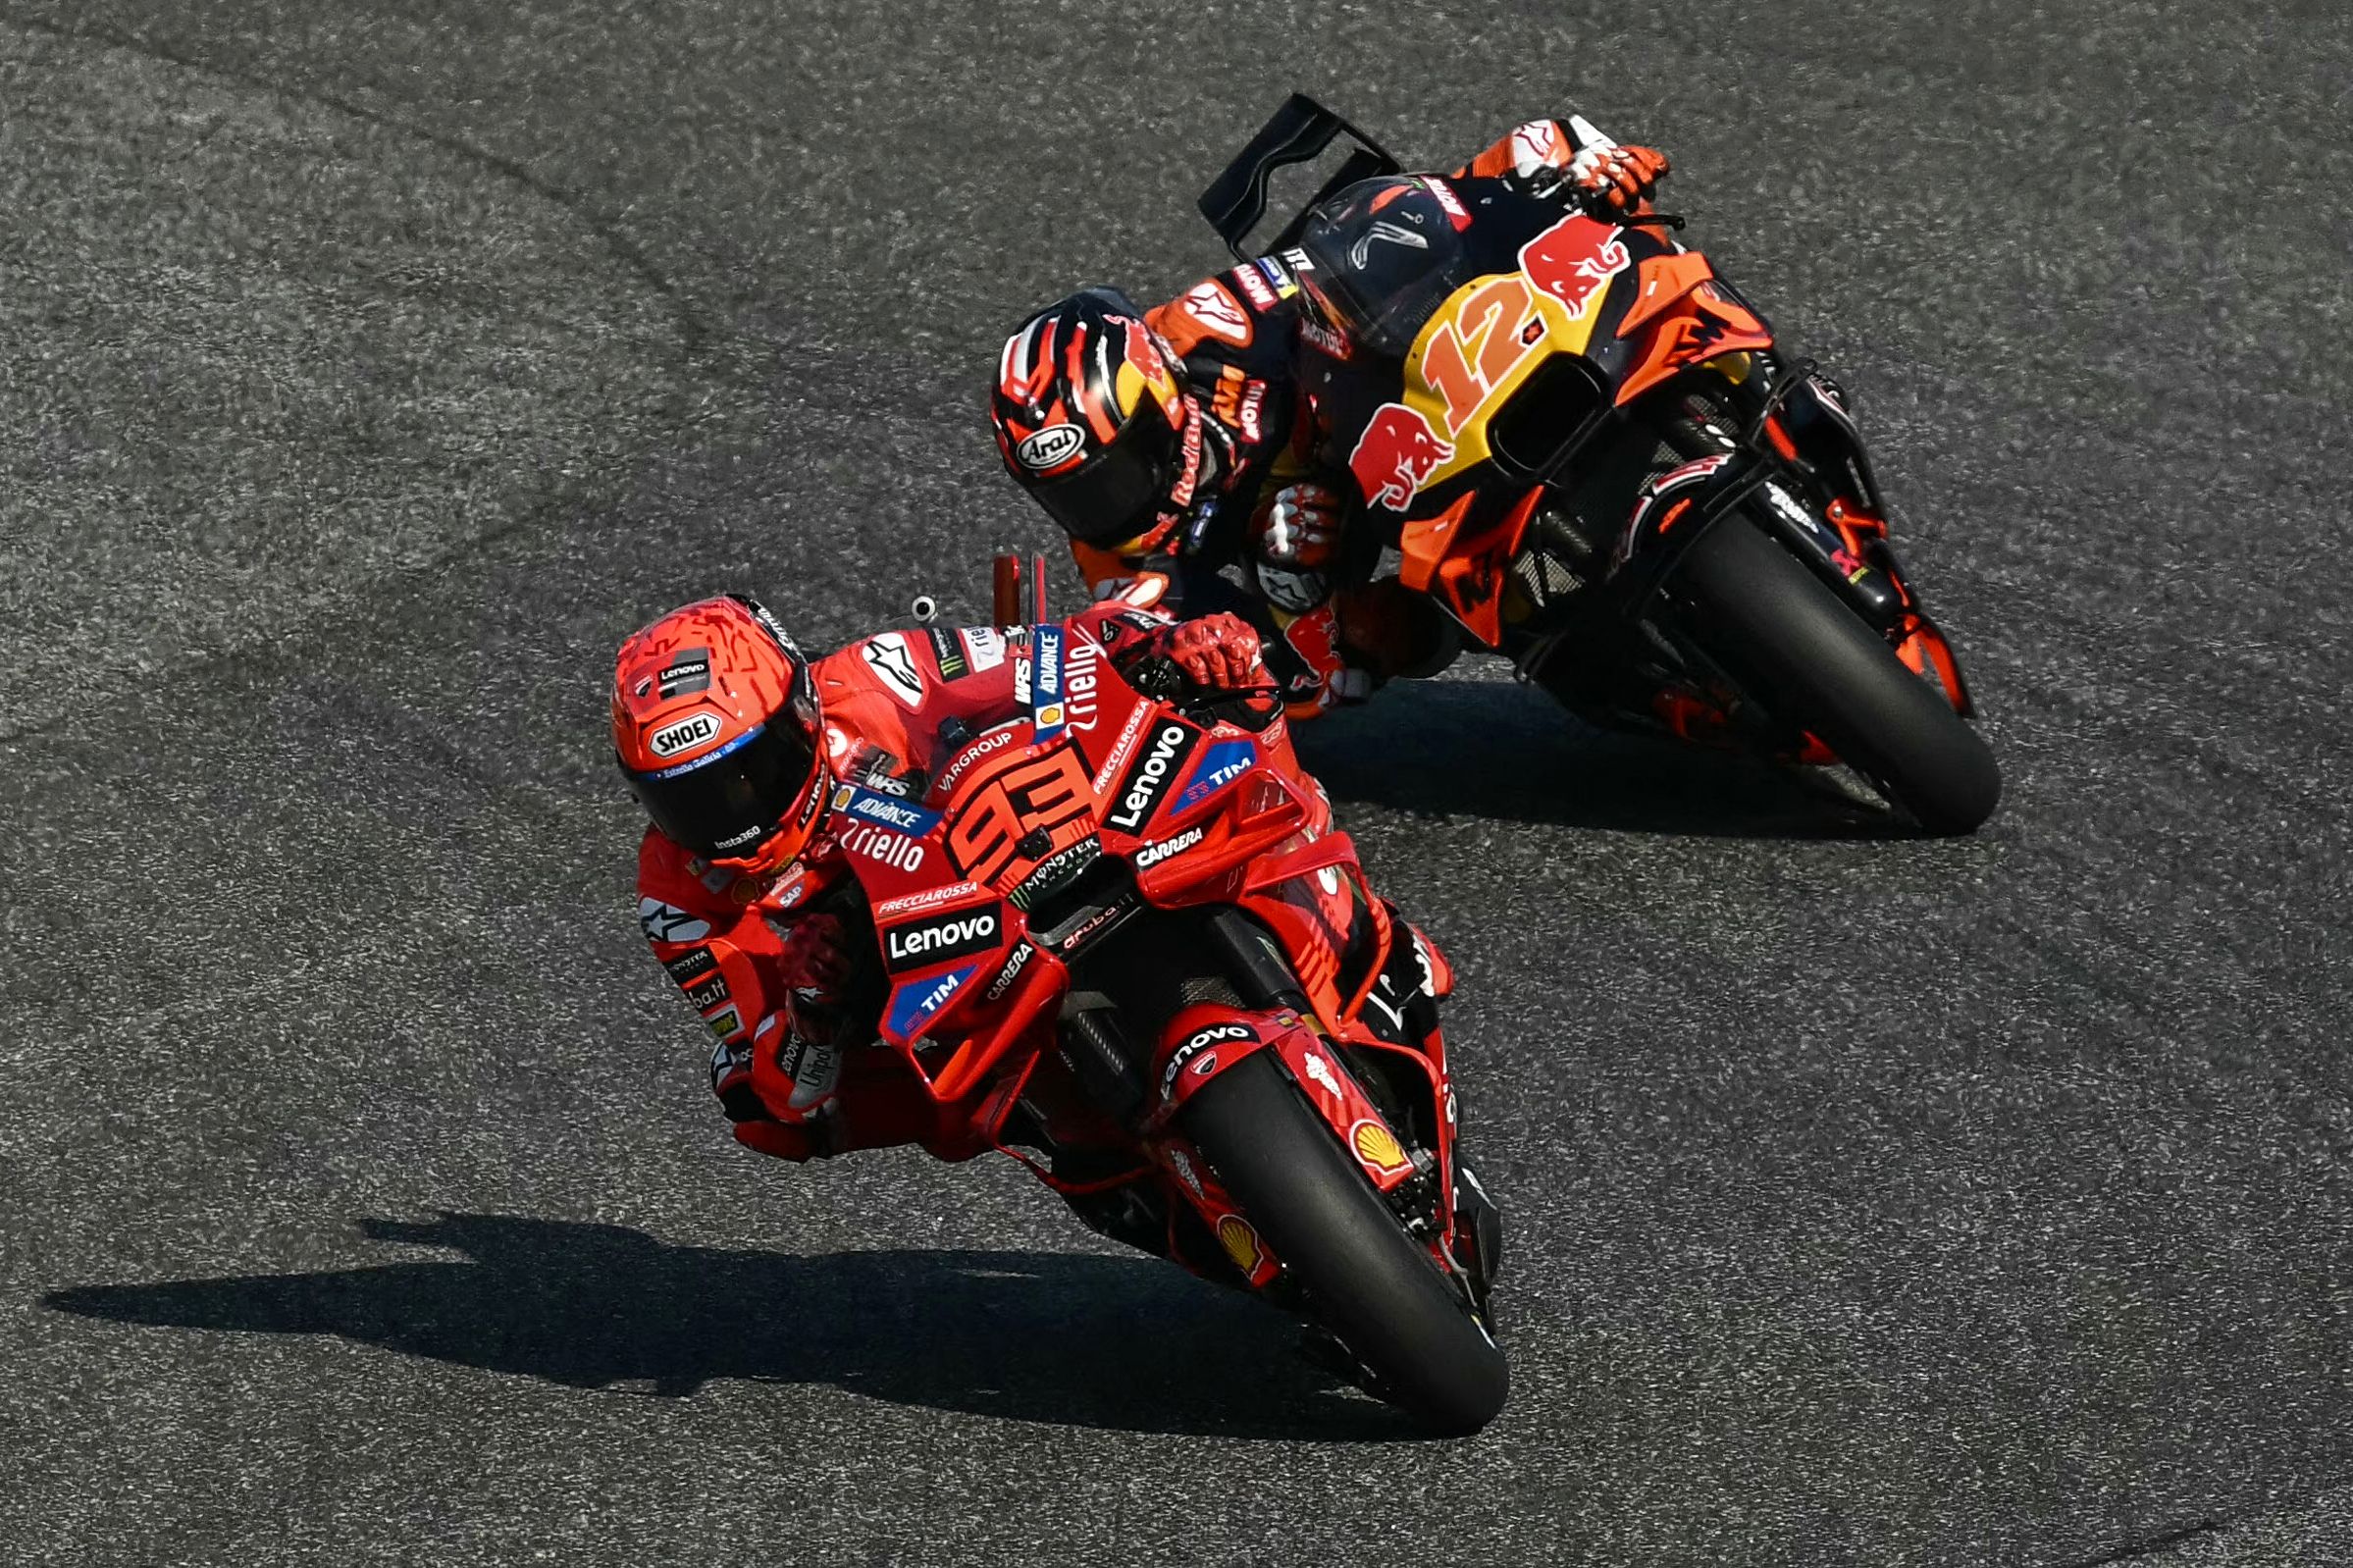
1124, 945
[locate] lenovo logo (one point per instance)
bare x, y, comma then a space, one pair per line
1148, 782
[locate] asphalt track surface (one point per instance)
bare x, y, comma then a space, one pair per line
367, 370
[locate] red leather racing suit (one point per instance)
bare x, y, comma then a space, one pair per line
791, 1065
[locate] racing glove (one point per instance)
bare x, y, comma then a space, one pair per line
1299, 527
816, 955
1215, 653
1616, 181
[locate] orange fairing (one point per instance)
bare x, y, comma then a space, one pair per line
1465, 568
1688, 319
1425, 544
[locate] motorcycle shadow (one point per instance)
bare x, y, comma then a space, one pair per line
1495, 748
1072, 1340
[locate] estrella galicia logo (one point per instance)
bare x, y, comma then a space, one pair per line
1148, 778
958, 933
1219, 766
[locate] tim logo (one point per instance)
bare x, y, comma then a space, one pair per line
696, 729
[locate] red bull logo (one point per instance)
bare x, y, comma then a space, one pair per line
1396, 454
1143, 354
1574, 260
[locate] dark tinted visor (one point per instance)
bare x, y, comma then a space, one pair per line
1380, 275
728, 803
1115, 494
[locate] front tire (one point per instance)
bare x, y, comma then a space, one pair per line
1369, 1283
1814, 663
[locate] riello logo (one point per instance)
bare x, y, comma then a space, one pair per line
696, 729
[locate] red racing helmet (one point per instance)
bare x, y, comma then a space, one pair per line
716, 727
1093, 418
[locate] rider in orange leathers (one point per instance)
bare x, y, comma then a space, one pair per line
1170, 445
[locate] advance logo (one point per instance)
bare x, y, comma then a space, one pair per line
960, 933
1155, 771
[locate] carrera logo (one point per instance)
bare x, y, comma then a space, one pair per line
696, 729
1010, 973
1050, 448
947, 936
1152, 855
1147, 782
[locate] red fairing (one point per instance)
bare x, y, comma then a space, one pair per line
980, 785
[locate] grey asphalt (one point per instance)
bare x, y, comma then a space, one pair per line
367, 370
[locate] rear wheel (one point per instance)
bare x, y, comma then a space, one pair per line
1814, 663
1366, 1280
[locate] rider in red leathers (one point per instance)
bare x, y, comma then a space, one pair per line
737, 745
1170, 446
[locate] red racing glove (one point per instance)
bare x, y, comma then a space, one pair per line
1215, 653
1300, 527
816, 955
1617, 180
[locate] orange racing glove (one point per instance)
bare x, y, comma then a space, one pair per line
1613, 180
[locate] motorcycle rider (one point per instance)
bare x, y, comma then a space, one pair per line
739, 746
1170, 443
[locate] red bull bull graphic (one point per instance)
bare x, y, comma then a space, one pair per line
1150, 359
1574, 260
1396, 457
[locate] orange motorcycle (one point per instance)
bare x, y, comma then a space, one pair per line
1591, 452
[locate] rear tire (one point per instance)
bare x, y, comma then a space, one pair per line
1369, 1283
1817, 664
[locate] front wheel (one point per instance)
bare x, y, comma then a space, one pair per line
1814, 663
1367, 1280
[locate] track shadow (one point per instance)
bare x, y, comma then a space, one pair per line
1495, 748
1121, 1343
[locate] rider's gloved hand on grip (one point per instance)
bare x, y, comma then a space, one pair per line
1300, 527
816, 954
1617, 181
1215, 653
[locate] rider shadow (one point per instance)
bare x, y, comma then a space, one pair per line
1499, 749
1074, 1339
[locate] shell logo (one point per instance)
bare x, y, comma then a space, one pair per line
1378, 1147
1240, 1244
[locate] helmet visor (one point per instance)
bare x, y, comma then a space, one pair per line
1118, 492
728, 802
